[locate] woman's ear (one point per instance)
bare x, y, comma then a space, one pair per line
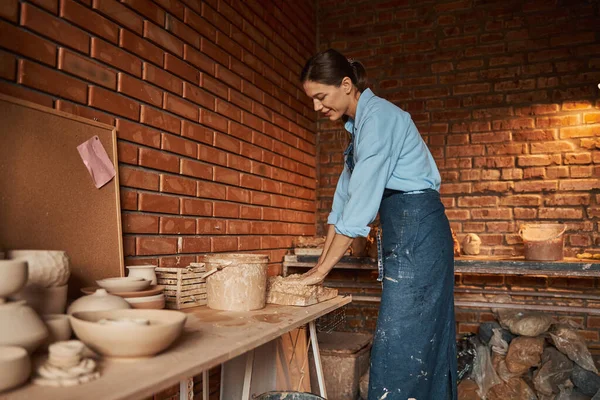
347, 85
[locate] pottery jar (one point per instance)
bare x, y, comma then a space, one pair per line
15, 367
99, 301
13, 276
21, 326
46, 267
143, 271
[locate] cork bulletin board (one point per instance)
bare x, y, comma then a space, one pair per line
48, 199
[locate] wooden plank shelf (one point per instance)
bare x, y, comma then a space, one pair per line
569, 267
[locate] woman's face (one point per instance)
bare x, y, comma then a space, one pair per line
330, 100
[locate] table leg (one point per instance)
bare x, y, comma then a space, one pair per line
317, 356
186, 389
205, 385
248, 376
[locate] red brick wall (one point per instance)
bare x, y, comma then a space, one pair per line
216, 139
504, 93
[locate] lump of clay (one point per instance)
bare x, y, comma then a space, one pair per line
288, 291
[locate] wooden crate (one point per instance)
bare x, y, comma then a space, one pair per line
184, 287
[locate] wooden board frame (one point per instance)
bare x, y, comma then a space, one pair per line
47, 197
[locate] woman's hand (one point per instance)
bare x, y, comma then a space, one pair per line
314, 276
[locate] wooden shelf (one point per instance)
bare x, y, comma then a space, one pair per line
210, 338
569, 267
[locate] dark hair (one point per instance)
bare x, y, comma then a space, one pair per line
330, 67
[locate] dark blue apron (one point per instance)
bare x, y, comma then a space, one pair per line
414, 348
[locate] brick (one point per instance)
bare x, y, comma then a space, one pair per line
140, 223
199, 96
182, 31
139, 179
147, 9
196, 169
196, 207
214, 86
178, 185
214, 52
182, 69
159, 160
196, 245
210, 226
536, 186
181, 107
155, 245
224, 243
177, 226
174, 7
84, 112
140, 47
579, 184
8, 66
89, 20
86, 69
25, 94
161, 78
114, 103
137, 133
199, 60
116, 57
51, 81
128, 200
27, 44
200, 25
152, 202
196, 132
582, 131
127, 153
212, 155
211, 190
163, 39
176, 144
228, 176
226, 210
119, 13
54, 28
213, 120
9, 9
160, 120
140, 90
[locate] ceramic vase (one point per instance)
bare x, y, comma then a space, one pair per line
143, 271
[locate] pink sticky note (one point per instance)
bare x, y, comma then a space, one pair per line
96, 161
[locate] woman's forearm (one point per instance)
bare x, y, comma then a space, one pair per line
327, 245
336, 250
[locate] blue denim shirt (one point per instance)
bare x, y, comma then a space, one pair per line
388, 152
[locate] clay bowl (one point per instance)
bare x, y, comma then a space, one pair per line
15, 367
13, 276
156, 302
128, 341
123, 284
59, 327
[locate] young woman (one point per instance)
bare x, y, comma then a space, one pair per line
390, 170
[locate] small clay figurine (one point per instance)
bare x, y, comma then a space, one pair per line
471, 244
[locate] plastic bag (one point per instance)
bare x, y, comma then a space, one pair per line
497, 344
568, 342
465, 355
483, 372
524, 353
499, 363
524, 323
556, 368
514, 389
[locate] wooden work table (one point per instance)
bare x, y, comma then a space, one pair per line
209, 339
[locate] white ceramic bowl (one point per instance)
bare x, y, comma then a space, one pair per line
125, 340
46, 267
98, 301
123, 284
15, 367
13, 276
155, 302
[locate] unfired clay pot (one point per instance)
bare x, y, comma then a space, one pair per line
101, 300
21, 326
128, 340
44, 300
143, 271
156, 302
59, 327
13, 276
471, 244
46, 267
15, 367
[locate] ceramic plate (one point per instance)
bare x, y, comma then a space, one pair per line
152, 290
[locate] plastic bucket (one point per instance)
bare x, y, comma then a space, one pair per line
543, 242
287, 396
240, 284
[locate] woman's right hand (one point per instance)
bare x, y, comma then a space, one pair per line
314, 276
